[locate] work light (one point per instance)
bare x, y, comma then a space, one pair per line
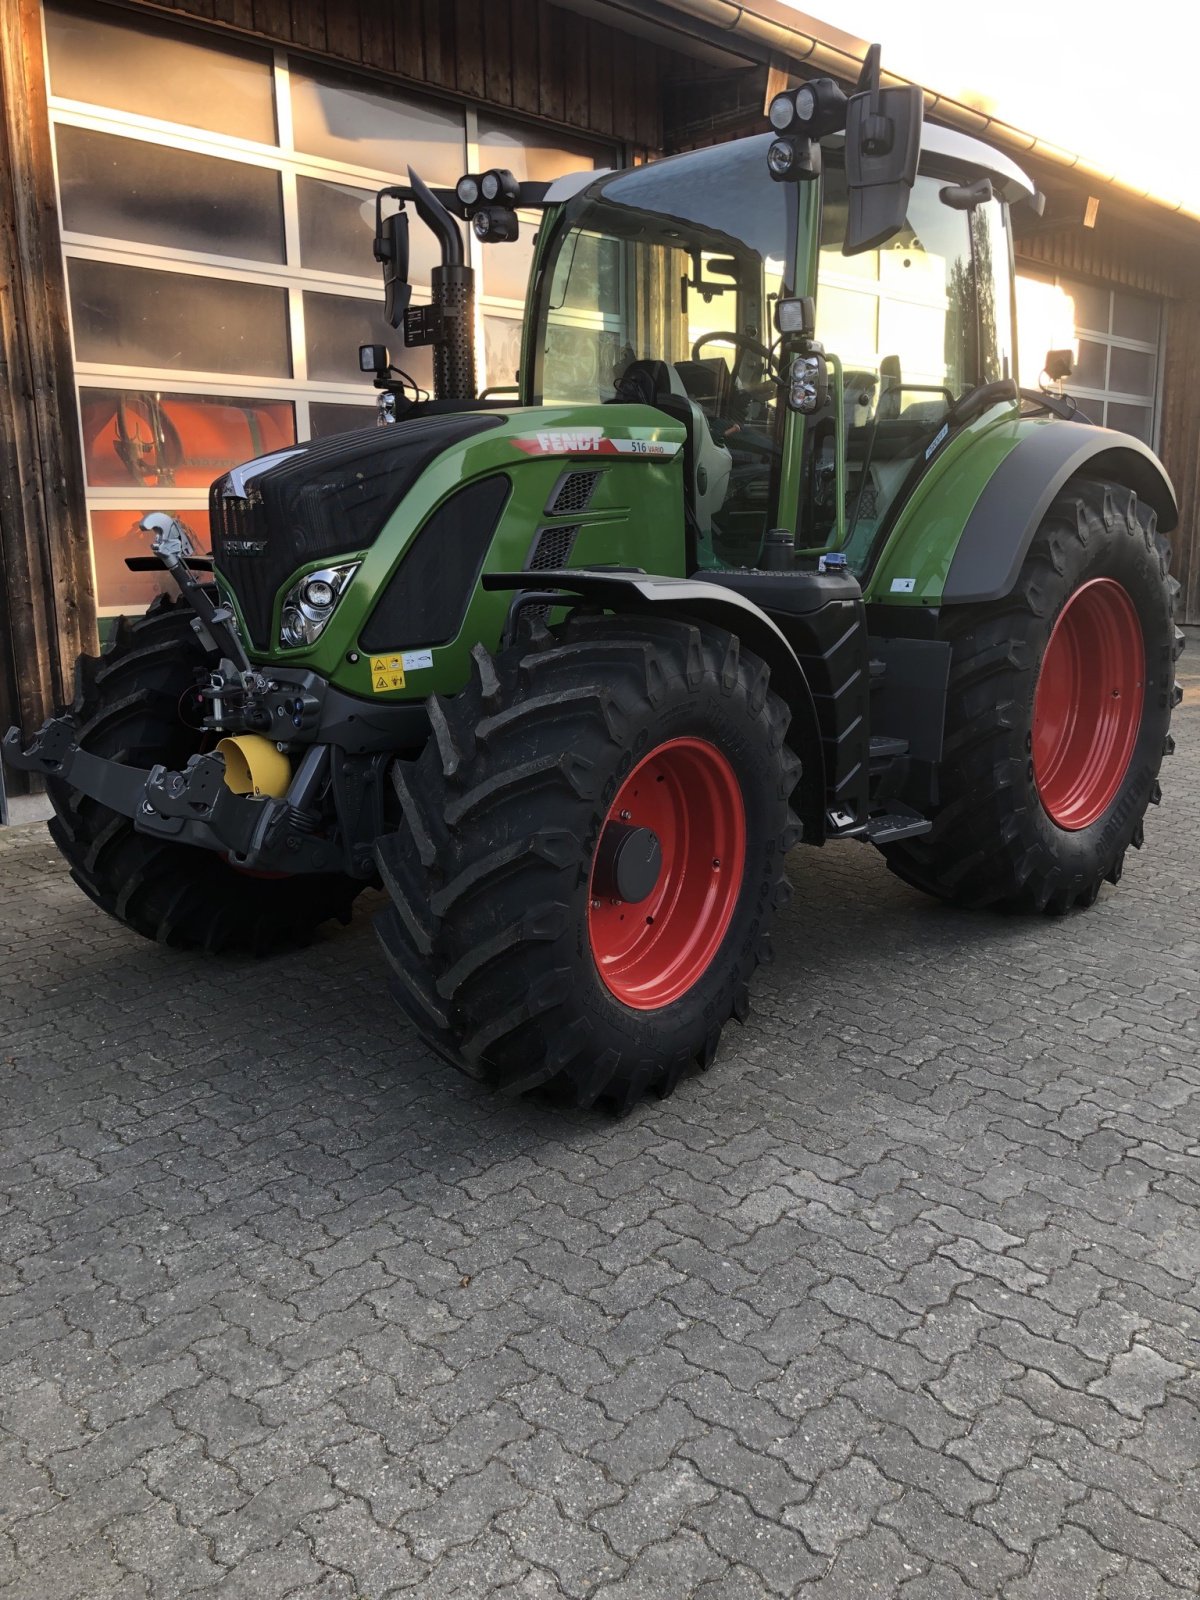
495, 225
499, 186
783, 111
467, 189
782, 157
812, 110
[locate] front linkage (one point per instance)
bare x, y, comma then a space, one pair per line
345, 754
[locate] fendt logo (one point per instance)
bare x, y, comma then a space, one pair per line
564, 441
590, 441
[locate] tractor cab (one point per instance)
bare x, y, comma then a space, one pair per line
661, 284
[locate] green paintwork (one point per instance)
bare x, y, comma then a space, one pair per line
925, 537
635, 519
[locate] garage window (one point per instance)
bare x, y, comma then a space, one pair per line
1117, 334
218, 236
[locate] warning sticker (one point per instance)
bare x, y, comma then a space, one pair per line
387, 673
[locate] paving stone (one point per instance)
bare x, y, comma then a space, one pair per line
1069, 1563
1137, 1380
899, 1300
842, 1506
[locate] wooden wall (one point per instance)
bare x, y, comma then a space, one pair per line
47, 609
1180, 443
527, 56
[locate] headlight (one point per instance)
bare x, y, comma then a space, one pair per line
309, 604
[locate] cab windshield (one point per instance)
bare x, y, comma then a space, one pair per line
660, 287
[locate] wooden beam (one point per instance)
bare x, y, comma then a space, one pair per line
47, 607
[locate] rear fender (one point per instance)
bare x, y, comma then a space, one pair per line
964, 534
691, 599
1015, 499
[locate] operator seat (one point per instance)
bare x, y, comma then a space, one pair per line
706, 464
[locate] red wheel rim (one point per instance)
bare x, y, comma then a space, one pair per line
1088, 705
651, 953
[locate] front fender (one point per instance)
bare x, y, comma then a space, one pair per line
695, 600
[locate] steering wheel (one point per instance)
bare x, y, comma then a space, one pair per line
745, 345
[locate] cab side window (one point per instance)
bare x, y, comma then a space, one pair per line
905, 322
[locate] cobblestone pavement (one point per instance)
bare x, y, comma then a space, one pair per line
899, 1300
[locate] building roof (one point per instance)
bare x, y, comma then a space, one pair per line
766, 28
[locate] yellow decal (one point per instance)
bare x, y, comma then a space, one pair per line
387, 672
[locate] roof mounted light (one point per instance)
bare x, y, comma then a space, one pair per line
782, 111
496, 225
814, 109
794, 159
499, 187
467, 189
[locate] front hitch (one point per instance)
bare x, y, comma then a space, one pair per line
195, 806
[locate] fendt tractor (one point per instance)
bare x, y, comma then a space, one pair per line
766, 546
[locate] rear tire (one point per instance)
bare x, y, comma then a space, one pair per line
1032, 818
128, 707
507, 954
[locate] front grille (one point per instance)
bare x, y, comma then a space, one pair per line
551, 548
573, 493
329, 497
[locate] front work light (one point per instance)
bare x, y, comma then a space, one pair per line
309, 604
496, 225
794, 159
467, 189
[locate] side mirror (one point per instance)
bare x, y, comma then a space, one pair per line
883, 143
1059, 364
391, 248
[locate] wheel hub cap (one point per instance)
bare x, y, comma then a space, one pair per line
667, 873
1087, 707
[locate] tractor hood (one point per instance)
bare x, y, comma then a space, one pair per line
330, 497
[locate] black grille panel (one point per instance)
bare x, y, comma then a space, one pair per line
573, 493
551, 548
427, 596
327, 498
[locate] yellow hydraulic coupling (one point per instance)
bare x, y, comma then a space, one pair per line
254, 766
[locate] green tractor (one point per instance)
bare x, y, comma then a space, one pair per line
767, 546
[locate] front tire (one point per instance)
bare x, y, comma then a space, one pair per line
129, 707
592, 853
1057, 717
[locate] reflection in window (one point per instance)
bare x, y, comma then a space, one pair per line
337, 232
1135, 317
915, 323
502, 347
350, 120
532, 157
115, 535
1130, 419
1131, 371
177, 75
153, 440
133, 189
334, 327
324, 419
134, 317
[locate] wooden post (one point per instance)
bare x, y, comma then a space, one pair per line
47, 604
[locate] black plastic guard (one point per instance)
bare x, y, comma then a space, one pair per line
695, 599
